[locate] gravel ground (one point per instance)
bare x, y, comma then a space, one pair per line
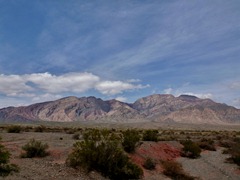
51, 167
211, 166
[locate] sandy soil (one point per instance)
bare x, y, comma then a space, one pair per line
51, 167
210, 166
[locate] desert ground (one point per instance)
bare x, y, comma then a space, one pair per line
211, 165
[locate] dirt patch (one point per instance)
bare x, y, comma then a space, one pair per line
158, 151
51, 167
211, 165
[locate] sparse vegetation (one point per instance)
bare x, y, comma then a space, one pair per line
5, 167
150, 135
34, 148
14, 129
190, 149
40, 128
175, 171
207, 144
76, 136
102, 151
149, 164
130, 140
233, 148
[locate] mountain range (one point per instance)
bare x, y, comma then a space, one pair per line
153, 108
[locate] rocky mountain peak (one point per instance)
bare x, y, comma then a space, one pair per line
157, 107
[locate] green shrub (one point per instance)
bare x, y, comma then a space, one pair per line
149, 164
5, 167
76, 136
130, 140
34, 149
150, 135
190, 149
175, 171
40, 128
102, 151
14, 129
207, 144
234, 151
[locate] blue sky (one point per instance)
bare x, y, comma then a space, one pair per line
123, 49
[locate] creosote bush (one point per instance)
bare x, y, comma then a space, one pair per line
5, 167
101, 150
150, 135
149, 164
130, 140
34, 148
175, 171
40, 128
14, 129
234, 151
207, 144
76, 136
190, 149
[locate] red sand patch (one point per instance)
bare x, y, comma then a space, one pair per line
237, 171
158, 151
58, 156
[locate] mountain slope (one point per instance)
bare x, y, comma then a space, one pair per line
158, 108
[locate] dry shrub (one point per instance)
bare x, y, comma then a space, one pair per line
190, 149
207, 144
175, 171
149, 164
14, 129
150, 135
102, 151
5, 167
34, 149
131, 139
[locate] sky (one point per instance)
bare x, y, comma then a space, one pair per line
119, 49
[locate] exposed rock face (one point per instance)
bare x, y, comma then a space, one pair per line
182, 109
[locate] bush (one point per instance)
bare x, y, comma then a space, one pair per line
234, 151
175, 171
150, 135
76, 136
149, 164
34, 149
14, 129
5, 167
40, 128
190, 149
207, 144
130, 140
102, 151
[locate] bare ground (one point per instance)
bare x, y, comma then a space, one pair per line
51, 167
210, 166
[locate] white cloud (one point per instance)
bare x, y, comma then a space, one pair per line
235, 85
45, 83
116, 87
236, 102
73, 82
168, 91
121, 98
11, 85
202, 96
182, 90
45, 97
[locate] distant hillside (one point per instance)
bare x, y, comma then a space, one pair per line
157, 108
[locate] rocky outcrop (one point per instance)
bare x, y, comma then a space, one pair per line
158, 108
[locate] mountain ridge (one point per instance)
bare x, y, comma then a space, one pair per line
156, 107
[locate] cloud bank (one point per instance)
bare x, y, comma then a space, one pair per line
49, 86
